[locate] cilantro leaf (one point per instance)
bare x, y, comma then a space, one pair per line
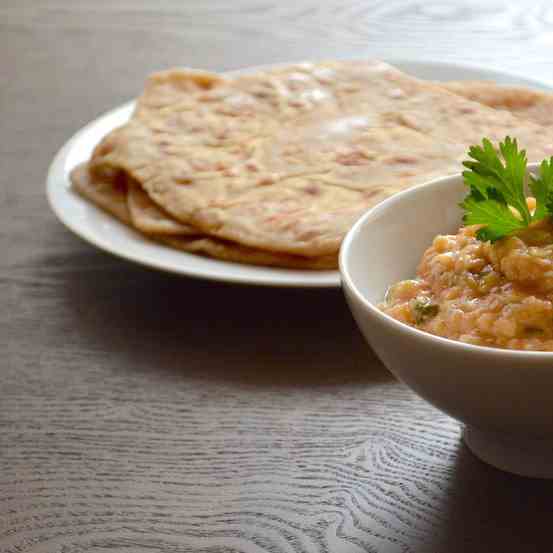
487, 171
495, 214
496, 178
542, 189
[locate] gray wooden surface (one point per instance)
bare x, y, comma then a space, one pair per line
144, 412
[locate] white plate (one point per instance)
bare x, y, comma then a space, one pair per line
105, 232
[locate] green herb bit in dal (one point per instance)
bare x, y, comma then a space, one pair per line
423, 309
497, 198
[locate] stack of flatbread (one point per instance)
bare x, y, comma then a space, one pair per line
273, 168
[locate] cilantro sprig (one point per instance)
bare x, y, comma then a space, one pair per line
497, 180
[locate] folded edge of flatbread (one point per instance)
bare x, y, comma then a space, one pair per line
112, 195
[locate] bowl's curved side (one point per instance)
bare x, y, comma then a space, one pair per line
477, 388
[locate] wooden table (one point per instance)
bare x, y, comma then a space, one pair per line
145, 412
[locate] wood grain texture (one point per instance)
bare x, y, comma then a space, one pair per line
143, 412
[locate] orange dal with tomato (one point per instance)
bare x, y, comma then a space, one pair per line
490, 294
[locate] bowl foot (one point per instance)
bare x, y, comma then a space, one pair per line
533, 457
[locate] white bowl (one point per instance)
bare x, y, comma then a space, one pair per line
504, 397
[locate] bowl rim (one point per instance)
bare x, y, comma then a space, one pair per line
403, 327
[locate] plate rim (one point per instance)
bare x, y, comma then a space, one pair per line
318, 279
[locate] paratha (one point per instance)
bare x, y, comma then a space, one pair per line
285, 161
229, 251
531, 105
108, 193
149, 218
112, 193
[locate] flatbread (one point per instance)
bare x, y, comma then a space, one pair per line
531, 105
108, 193
287, 160
127, 202
112, 191
228, 251
149, 218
